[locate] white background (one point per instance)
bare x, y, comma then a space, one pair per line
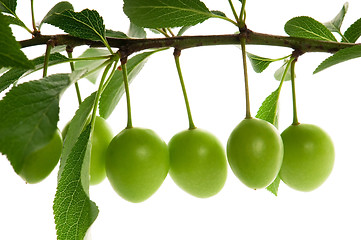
213, 77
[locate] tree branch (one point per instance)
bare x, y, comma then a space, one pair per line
131, 45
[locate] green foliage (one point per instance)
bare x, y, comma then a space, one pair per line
278, 75
340, 56
166, 13
86, 24
353, 33
136, 31
115, 89
14, 74
89, 65
258, 63
30, 113
8, 6
57, 9
14, 21
306, 27
335, 24
115, 34
74, 212
10, 53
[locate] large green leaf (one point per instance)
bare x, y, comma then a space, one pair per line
8, 6
166, 13
14, 74
91, 64
14, 21
335, 24
76, 126
115, 89
29, 116
339, 57
306, 27
74, 212
85, 24
10, 53
58, 8
353, 33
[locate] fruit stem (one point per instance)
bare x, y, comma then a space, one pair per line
69, 50
36, 32
49, 45
233, 11
97, 97
244, 57
126, 86
242, 15
295, 118
176, 54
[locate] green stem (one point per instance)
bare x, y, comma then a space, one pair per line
106, 63
72, 67
242, 15
97, 97
286, 70
295, 118
176, 58
245, 73
46, 58
233, 11
110, 75
33, 17
126, 86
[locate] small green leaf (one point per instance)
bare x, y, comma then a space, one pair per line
353, 33
14, 74
339, 57
219, 13
76, 126
115, 34
306, 27
335, 24
85, 24
10, 53
8, 6
273, 187
279, 73
14, 21
58, 8
258, 63
136, 31
29, 116
166, 13
115, 89
91, 64
183, 30
74, 212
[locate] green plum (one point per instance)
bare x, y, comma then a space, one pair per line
308, 157
40, 163
198, 162
101, 137
255, 152
137, 163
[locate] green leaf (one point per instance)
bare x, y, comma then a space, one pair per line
219, 13
10, 53
183, 30
339, 57
279, 73
335, 24
353, 33
74, 212
58, 8
136, 31
91, 64
8, 6
14, 74
76, 126
306, 27
166, 13
29, 116
258, 63
115, 89
273, 187
85, 24
14, 21
269, 112
115, 34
